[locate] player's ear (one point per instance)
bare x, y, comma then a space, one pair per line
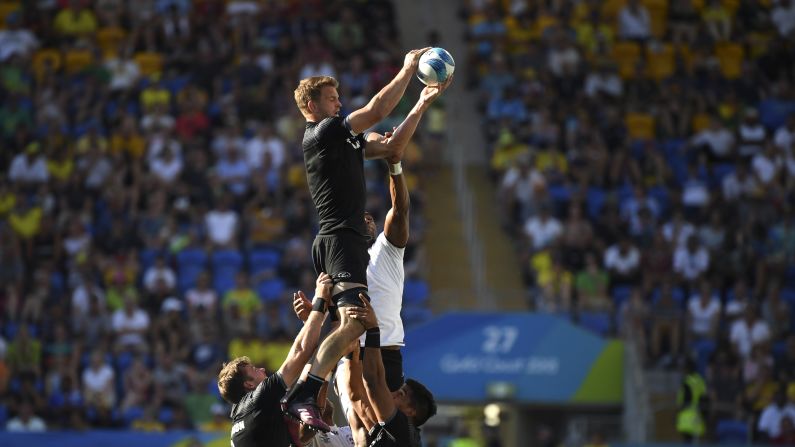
311, 106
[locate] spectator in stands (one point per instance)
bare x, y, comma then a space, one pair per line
169, 377
223, 224
691, 261
24, 353
634, 21
704, 310
201, 296
739, 184
769, 423
622, 261
783, 17
544, 229
748, 332
716, 141
159, 273
666, 327
137, 385
725, 389
16, 40
751, 135
130, 326
785, 363
242, 297
590, 285
99, 387
784, 138
776, 313
26, 420
29, 168
739, 299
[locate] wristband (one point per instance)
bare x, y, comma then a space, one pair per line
373, 338
319, 305
395, 169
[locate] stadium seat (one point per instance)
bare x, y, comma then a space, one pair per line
730, 431
147, 258
109, 39
44, 59
123, 361
595, 198
165, 415
263, 259
3, 415
227, 259
703, 349
640, 126
131, 414
188, 276
626, 55
620, 294
662, 62
658, 12
150, 63
415, 292
224, 279
719, 171
415, 315
271, 289
76, 61
193, 257
6, 8
730, 57
598, 322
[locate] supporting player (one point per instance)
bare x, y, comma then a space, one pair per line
334, 151
256, 414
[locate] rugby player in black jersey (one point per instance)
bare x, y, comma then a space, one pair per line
334, 152
257, 417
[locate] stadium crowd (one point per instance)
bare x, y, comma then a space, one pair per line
154, 215
643, 152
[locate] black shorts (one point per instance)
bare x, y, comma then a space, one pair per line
393, 368
343, 255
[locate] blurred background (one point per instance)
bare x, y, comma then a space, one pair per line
602, 240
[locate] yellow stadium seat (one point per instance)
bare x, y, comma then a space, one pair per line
77, 60
149, 63
730, 56
626, 55
661, 64
700, 122
611, 8
658, 11
44, 58
109, 39
640, 126
7, 8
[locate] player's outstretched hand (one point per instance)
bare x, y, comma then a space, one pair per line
301, 305
323, 286
365, 314
412, 59
430, 93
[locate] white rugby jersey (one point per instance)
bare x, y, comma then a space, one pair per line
337, 437
385, 277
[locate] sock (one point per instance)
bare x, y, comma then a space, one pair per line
309, 388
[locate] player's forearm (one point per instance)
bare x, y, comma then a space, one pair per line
307, 339
387, 99
373, 366
402, 135
400, 195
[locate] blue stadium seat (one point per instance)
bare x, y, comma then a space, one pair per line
187, 276
596, 200
227, 259
731, 431
263, 259
790, 276
560, 194
598, 322
703, 350
620, 294
192, 257
3, 415
415, 292
131, 414
415, 315
147, 257
271, 289
123, 361
788, 295
224, 279
719, 171
165, 415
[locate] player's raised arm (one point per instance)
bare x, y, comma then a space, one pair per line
391, 148
307, 339
396, 224
382, 104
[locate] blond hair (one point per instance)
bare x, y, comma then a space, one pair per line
231, 379
309, 90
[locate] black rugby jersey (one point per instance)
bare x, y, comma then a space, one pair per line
396, 432
334, 159
257, 419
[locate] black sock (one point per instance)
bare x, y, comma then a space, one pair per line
309, 388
